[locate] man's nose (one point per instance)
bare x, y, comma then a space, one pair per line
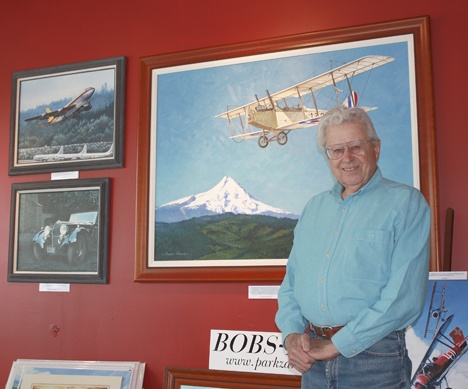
347, 154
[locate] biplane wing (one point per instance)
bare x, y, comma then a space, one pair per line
434, 287
436, 312
331, 77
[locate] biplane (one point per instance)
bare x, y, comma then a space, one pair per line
276, 115
77, 105
433, 369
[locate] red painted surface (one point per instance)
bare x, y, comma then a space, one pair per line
169, 324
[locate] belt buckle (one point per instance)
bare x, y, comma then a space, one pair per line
324, 329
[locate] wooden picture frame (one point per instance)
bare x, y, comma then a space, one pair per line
68, 117
421, 143
180, 378
59, 231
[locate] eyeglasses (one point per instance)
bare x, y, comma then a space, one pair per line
355, 147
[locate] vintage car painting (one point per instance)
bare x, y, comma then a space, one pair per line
74, 238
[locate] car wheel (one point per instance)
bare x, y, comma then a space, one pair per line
78, 251
39, 253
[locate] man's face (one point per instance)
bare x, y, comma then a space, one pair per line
353, 171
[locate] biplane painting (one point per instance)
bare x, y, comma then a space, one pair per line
437, 343
218, 195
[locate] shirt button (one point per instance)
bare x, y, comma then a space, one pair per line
322, 280
327, 255
322, 307
335, 231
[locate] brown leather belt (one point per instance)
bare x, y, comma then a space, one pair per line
325, 331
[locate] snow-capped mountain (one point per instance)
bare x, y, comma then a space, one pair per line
226, 196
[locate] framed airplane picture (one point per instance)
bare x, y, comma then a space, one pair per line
227, 146
68, 117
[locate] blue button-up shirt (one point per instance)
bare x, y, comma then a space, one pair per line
362, 262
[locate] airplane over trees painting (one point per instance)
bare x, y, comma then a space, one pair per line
69, 115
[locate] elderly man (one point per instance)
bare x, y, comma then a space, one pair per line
357, 273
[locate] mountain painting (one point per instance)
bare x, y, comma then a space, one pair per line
225, 222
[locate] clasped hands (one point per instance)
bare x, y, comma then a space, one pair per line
304, 351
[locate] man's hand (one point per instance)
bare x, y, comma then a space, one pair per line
303, 351
298, 346
322, 349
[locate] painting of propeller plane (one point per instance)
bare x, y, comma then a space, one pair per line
442, 328
273, 117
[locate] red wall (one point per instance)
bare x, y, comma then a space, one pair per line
169, 324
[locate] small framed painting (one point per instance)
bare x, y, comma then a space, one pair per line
68, 117
59, 231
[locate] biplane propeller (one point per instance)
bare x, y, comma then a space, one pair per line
274, 117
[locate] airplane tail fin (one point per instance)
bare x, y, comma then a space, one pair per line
352, 100
457, 336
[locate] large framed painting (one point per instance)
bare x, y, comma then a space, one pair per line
68, 117
227, 156
59, 231
180, 378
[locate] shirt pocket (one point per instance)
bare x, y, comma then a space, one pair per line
369, 256
374, 236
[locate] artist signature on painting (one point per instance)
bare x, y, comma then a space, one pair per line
174, 254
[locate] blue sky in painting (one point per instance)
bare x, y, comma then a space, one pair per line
194, 152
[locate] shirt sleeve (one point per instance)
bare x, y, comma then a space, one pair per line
402, 299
